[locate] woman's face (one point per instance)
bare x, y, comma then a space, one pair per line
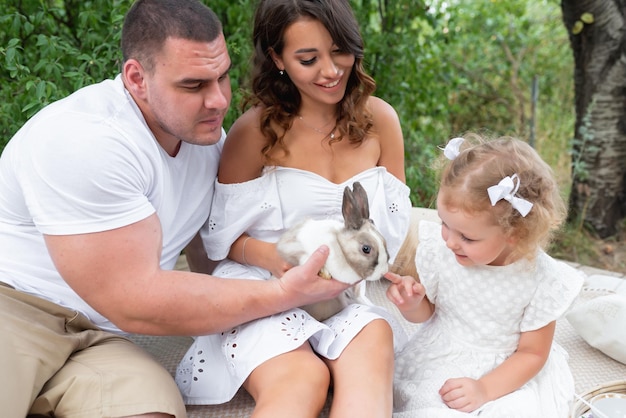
316, 66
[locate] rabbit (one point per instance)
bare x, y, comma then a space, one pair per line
358, 251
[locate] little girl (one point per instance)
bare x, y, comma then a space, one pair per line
487, 294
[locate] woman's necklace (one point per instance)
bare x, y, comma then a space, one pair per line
330, 134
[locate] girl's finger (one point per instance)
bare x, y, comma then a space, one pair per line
409, 289
393, 277
394, 295
417, 288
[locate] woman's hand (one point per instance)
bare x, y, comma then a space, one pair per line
277, 265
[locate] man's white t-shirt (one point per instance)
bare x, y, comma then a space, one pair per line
89, 163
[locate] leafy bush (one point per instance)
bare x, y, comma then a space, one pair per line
50, 49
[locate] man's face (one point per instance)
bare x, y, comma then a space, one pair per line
188, 92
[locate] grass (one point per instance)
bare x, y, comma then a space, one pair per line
576, 244
573, 244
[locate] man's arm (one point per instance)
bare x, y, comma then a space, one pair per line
117, 272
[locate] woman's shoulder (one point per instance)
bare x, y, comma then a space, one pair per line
242, 156
388, 132
247, 123
381, 110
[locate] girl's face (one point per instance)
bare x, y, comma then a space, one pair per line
473, 238
316, 66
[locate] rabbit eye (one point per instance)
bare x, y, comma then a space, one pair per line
366, 249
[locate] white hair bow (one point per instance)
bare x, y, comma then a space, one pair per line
452, 148
506, 189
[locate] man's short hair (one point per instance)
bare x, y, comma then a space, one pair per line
149, 23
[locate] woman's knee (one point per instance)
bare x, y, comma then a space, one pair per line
298, 371
376, 335
381, 327
371, 351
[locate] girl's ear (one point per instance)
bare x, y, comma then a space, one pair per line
512, 239
277, 60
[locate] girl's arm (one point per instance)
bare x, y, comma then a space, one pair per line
524, 364
532, 352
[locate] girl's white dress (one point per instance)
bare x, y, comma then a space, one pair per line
480, 313
215, 366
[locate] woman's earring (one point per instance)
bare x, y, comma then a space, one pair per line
281, 72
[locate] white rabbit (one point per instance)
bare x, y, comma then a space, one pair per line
357, 250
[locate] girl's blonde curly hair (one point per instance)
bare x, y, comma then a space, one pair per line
484, 162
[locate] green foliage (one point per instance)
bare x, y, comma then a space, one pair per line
469, 66
236, 17
446, 67
496, 50
51, 48
403, 51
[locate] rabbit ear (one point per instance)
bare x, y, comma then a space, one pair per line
361, 199
355, 207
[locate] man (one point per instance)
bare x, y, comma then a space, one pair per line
99, 193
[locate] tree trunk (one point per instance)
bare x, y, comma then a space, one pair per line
599, 150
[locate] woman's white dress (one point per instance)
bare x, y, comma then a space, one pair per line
479, 315
215, 366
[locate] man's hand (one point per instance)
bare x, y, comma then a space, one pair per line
304, 284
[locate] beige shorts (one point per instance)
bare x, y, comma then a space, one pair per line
55, 362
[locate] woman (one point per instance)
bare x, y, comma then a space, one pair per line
312, 129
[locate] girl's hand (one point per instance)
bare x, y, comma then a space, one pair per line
409, 295
405, 292
463, 394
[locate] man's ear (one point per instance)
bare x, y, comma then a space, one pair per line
134, 78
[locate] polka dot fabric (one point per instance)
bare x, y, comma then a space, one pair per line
480, 313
